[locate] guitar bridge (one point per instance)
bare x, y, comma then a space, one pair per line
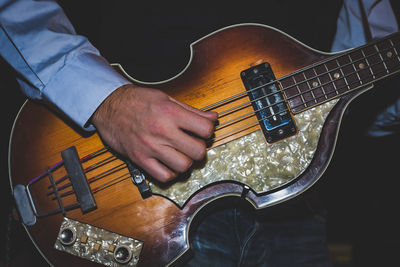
78, 180
268, 103
26, 204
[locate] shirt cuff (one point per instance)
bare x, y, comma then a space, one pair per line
80, 87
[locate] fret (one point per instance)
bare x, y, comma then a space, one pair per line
342, 89
383, 61
349, 71
334, 92
327, 87
299, 86
375, 62
355, 69
310, 89
361, 67
368, 64
388, 54
292, 96
316, 85
342, 74
395, 50
330, 79
321, 86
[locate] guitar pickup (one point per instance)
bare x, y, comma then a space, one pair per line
268, 103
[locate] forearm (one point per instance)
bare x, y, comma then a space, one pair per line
53, 62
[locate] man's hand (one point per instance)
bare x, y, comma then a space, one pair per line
158, 133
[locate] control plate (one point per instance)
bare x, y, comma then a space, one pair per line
98, 245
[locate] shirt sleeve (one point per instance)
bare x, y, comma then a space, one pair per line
53, 62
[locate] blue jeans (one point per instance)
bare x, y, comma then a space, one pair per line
292, 236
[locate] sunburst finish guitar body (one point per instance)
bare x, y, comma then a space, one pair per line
280, 104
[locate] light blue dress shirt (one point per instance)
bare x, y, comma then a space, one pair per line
53, 62
57, 65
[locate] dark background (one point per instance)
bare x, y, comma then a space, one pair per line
151, 40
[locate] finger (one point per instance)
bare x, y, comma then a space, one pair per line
211, 115
191, 146
174, 159
195, 124
157, 170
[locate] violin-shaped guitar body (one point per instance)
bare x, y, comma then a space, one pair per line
280, 104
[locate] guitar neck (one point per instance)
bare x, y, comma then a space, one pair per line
342, 73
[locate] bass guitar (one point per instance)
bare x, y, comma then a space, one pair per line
280, 106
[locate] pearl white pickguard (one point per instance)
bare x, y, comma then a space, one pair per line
249, 160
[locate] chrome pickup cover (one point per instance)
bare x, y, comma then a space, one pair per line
268, 103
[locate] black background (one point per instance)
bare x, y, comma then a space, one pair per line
151, 40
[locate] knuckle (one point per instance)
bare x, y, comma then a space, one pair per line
147, 142
167, 177
186, 165
167, 108
201, 150
209, 129
182, 165
157, 128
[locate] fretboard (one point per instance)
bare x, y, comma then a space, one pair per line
343, 73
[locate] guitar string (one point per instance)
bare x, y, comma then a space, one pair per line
321, 85
119, 179
95, 178
105, 185
304, 103
256, 123
238, 130
86, 170
331, 59
60, 163
122, 166
99, 164
302, 93
82, 160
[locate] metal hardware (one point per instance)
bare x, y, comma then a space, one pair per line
25, 204
122, 254
268, 102
67, 236
78, 179
97, 245
139, 179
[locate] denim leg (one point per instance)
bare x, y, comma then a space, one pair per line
214, 242
289, 236
285, 242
